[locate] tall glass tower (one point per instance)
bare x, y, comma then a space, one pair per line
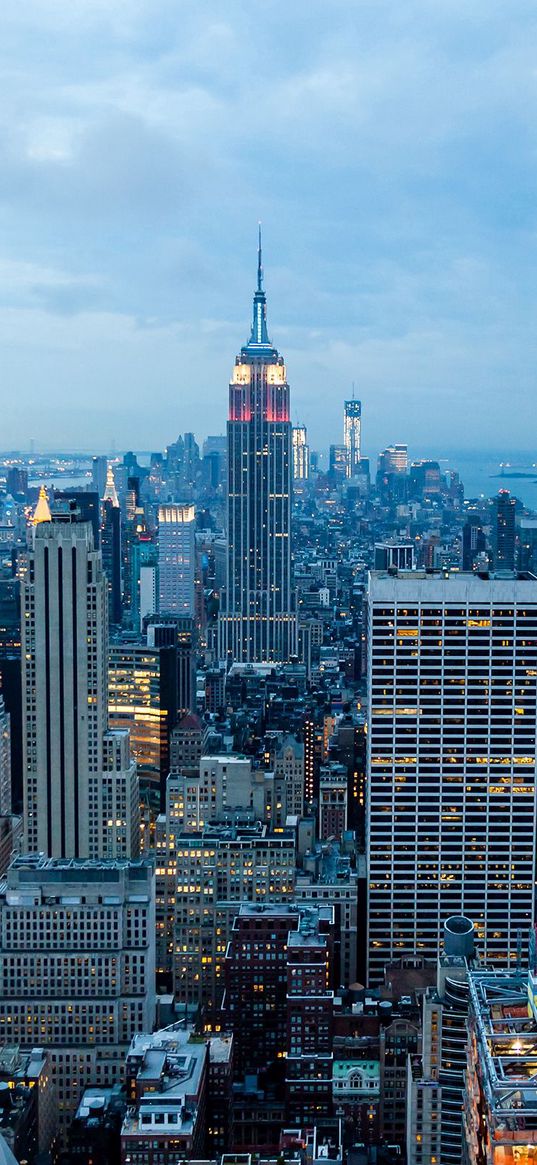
258, 620
352, 435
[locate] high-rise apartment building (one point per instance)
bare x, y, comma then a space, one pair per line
258, 620
352, 435
301, 453
77, 968
69, 757
451, 813
176, 558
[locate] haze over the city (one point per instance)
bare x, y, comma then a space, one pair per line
389, 152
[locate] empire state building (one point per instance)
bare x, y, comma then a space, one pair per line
258, 621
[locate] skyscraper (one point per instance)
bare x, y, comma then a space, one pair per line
258, 622
176, 558
352, 435
505, 531
301, 453
5, 760
75, 771
111, 547
452, 806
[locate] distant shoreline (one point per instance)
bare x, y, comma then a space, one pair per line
514, 473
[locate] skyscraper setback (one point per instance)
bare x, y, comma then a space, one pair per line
257, 621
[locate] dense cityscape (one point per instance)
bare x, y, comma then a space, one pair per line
267, 799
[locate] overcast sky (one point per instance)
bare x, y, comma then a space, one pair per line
388, 148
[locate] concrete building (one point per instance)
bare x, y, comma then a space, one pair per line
451, 816
77, 968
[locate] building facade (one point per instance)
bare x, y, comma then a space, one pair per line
352, 435
67, 747
258, 621
77, 969
451, 813
177, 559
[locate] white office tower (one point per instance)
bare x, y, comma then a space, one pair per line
176, 558
451, 816
5, 760
77, 973
68, 756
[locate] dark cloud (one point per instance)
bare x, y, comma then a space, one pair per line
388, 149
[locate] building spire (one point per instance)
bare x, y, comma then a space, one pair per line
259, 263
110, 492
42, 510
259, 337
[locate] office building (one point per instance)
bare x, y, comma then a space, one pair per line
176, 559
474, 542
77, 970
527, 544
258, 620
337, 463
394, 459
70, 758
142, 693
352, 435
500, 1099
451, 816
111, 548
505, 541
99, 470
301, 453
5, 760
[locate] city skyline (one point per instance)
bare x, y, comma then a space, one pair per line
399, 252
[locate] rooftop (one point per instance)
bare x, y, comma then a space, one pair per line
506, 1038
